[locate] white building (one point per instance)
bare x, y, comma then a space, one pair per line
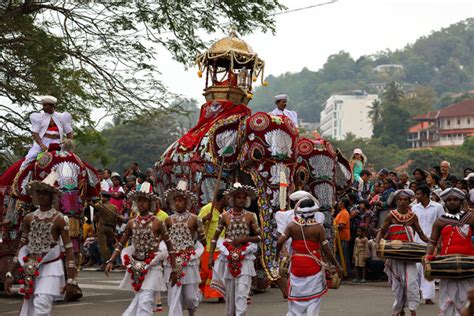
347, 113
449, 126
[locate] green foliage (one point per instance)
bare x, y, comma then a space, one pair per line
103, 55
143, 139
459, 157
392, 157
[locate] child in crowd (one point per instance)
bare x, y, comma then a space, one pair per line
361, 253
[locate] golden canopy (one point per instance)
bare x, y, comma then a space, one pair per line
231, 53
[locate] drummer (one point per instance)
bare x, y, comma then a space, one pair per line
454, 229
400, 224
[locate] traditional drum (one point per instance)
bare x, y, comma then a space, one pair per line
449, 267
405, 251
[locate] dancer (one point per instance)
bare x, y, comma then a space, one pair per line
235, 264
183, 227
454, 229
143, 257
307, 279
402, 276
38, 259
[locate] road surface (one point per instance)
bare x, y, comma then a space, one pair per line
102, 297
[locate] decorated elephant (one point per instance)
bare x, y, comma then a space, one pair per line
229, 144
77, 181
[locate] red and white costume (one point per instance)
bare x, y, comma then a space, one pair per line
307, 281
402, 275
51, 128
455, 239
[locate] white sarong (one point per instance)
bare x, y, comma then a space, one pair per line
304, 294
428, 291
403, 278
187, 295
453, 295
144, 300
48, 285
236, 290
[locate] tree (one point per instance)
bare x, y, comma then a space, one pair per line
396, 121
392, 93
420, 101
103, 55
376, 117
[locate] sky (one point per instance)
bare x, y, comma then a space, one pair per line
306, 38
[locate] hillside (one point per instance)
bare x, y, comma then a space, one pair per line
442, 60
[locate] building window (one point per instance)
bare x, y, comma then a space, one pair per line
468, 121
459, 122
448, 122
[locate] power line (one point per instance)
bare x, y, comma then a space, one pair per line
306, 8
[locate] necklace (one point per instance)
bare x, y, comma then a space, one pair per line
144, 219
44, 215
457, 216
181, 217
403, 217
304, 222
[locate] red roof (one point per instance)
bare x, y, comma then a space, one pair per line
430, 116
457, 131
418, 127
464, 108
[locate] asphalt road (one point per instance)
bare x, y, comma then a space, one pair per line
102, 297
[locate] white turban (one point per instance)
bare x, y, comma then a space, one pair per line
469, 176
48, 99
281, 97
298, 195
453, 192
402, 192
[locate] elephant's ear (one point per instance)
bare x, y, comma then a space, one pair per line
343, 172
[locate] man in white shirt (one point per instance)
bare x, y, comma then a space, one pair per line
280, 101
47, 128
427, 212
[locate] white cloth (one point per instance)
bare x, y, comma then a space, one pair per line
428, 289
237, 291
283, 218
191, 271
154, 280
48, 284
38, 305
142, 304
426, 217
304, 308
403, 278
104, 186
292, 115
453, 295
304, 294
186, 296
221, 270
35, 150
40, 123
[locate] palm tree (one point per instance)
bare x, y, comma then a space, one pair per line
393, 92
375, 112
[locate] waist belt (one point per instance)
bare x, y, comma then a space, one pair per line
52, 136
